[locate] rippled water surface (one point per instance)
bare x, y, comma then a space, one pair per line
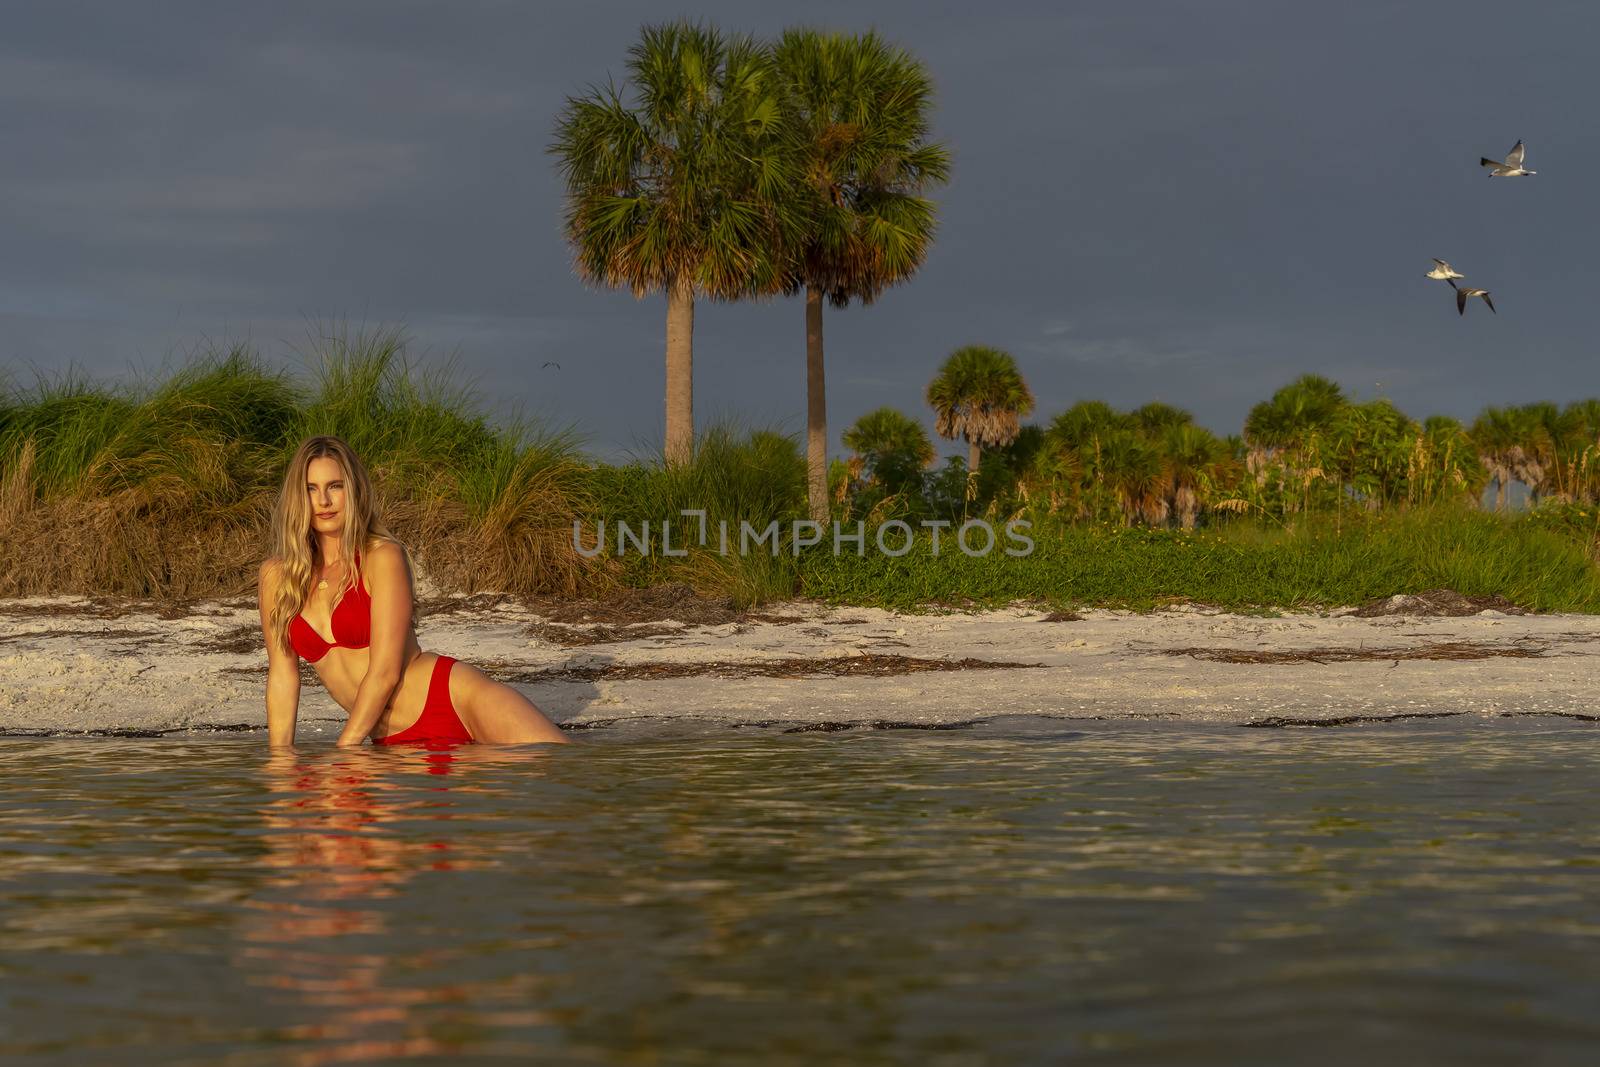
1022, 892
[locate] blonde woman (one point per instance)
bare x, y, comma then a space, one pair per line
339, 593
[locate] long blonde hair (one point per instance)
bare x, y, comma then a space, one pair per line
294, 545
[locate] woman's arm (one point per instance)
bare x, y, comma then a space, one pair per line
283, 666
391, 627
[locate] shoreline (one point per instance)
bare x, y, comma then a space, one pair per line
76, 664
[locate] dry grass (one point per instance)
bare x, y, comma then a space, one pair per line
166, 491
125, 545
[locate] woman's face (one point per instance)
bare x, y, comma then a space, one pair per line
325, 492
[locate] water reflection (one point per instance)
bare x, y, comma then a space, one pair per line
345, 834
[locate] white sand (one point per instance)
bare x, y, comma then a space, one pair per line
71, 670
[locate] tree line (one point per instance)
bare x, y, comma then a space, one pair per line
1307, 448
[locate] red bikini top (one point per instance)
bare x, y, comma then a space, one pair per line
351, 619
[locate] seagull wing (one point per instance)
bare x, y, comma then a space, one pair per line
1483, 162
1486, 300
1461, 300
1514, 157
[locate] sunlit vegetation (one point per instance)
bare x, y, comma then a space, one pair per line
164, 490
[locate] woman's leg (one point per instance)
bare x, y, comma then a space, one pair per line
495, 713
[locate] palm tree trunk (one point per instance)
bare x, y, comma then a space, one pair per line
680, 372
974, 454
816, 410
1187, 504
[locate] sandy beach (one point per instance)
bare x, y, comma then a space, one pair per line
70, 664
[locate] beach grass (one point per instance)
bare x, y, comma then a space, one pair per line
737, 474
166, 489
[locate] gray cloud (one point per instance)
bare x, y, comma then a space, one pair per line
1164, 200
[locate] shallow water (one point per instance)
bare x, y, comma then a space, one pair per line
1024, 891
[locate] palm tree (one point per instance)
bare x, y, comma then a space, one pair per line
1056, 473
1195, 458
1293, 422
1155, 418
858, 109
979, 396
1084, 424
1369, 449
1132, 467
1583, 418
1581, 421
891, 446
1073, 445
691, 191
1542, 432
1306, 404
1494, 434
1581, 432
1079, 425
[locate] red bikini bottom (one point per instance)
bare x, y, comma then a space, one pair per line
438, 723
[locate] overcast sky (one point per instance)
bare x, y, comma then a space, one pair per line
1190, 202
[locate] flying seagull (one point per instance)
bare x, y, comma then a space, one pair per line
1462, 294
1510, 167
1444, 271
557, 366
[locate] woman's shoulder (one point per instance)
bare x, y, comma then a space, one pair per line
386, 557
383, 550
271, 570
